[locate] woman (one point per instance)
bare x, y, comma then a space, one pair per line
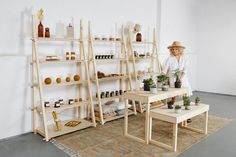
177, 63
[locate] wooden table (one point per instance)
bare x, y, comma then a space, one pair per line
147, 98
170, 116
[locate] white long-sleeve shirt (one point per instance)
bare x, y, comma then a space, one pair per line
171, 65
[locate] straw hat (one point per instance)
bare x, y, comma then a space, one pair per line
176, 44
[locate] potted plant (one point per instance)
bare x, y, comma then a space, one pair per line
147, 83
162, 81
197, 100
177, 81
177, 109
170, 104
186, 100
153, 89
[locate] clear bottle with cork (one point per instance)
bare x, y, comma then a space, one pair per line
70, 31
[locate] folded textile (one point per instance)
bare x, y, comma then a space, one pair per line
111, 107
106, 115
120, 112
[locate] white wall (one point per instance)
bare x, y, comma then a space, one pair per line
178, 22
105, 15
216, 36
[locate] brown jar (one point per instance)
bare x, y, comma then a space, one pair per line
72, 55
139, 37
47, 32
67, 55
40, 30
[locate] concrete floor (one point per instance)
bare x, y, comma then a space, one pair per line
220, 144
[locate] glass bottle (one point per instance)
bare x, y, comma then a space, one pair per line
139, 37
40, 29
47, 32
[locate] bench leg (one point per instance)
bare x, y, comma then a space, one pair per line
175, 135
206, 123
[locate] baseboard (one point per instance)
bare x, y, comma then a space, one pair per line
11, 137
214, 93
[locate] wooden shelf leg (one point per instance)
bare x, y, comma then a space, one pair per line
126, 117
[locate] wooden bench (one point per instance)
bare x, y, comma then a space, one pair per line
170, 116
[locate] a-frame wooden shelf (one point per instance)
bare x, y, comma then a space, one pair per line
40, 112
123, 78
152, 58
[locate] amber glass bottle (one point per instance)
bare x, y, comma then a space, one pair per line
40, 30
47, 32
139, 37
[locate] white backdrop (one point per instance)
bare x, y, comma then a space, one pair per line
105, 15
216, 36
174, 21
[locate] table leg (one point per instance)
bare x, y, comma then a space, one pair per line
126, 117
175, 135
206, 123
147, 124
150, 129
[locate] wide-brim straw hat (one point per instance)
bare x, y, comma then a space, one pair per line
176, 44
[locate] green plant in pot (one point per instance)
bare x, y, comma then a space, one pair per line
153, 89
177, 75
197, 101
177, 109
162, 81
147, 83
187, 102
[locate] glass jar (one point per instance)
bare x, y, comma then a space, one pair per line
40, 29
139, 37
47, 32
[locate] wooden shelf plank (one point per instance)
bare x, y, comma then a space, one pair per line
114, 118
61, 61
58, 39
117, 117
107, 41
65, 129
112, 78
64, 83
108, 98
61, 108
142, 42
145, 74
143, 58
111, 60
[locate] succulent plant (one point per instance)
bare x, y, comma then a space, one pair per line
177, 107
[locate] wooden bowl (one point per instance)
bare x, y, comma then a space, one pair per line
47, 80
58, 80
67, 79
76, 78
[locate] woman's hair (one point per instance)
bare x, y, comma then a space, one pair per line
181, 50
